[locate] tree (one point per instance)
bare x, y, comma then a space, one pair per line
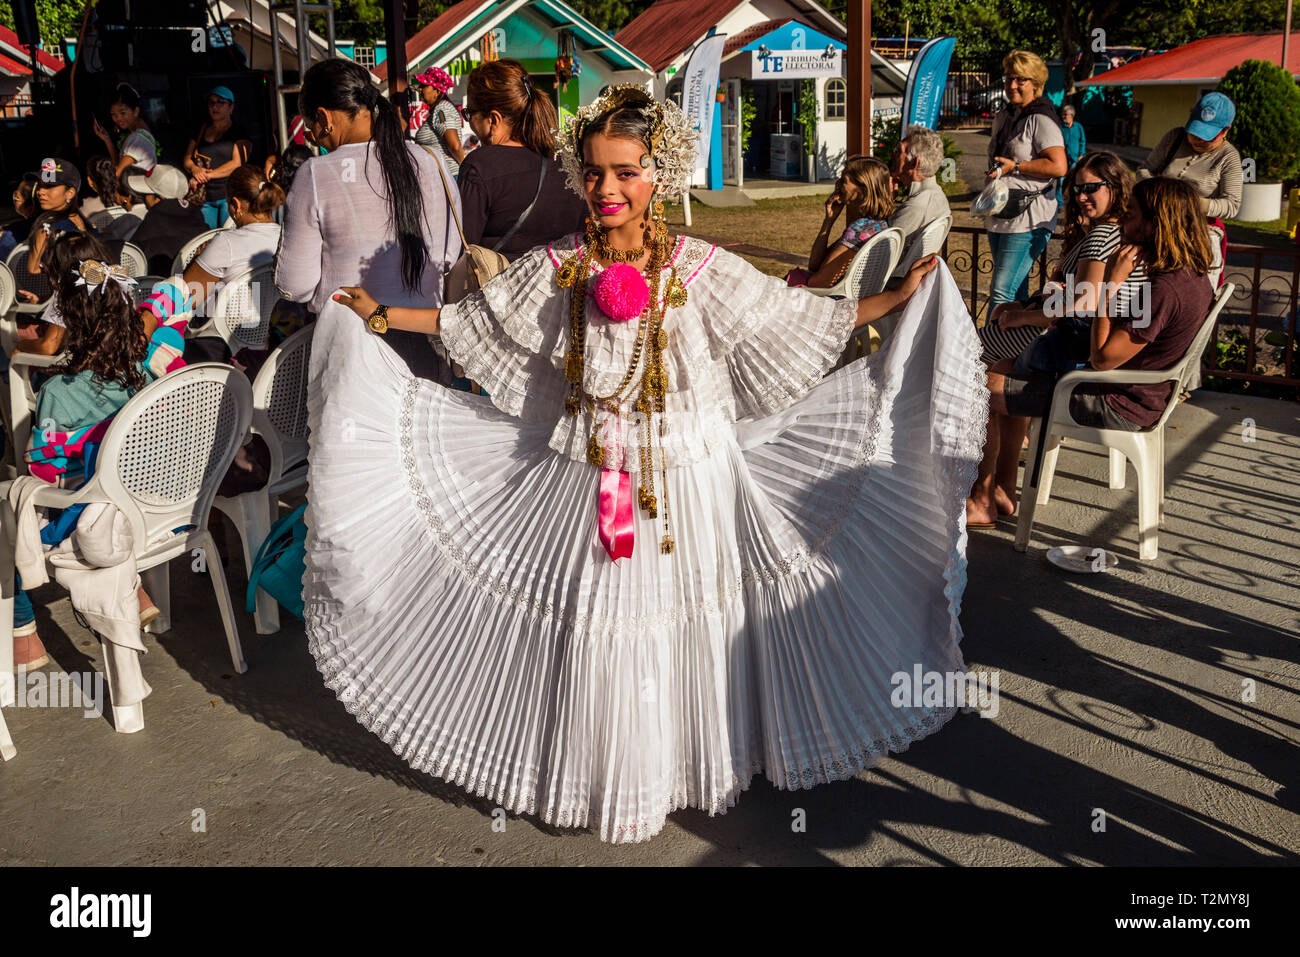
56, 18
1267, 127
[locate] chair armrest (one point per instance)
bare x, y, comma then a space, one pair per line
30, 308
1066, 384
34, 359
54, 497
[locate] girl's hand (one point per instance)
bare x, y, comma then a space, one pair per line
100, 131
1121, 265
834, 205
357, 299
26, 295
1010, 318
914, 276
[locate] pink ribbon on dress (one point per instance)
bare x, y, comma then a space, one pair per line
617, 531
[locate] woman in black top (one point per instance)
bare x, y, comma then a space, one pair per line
499, 180
220, 148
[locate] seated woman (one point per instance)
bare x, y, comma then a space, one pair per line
863, 192
1097, 194
109, 357
252, 202
1163, 232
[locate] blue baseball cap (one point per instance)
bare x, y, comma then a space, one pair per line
223, 92
1212, 114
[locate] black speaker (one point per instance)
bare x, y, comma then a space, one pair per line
25, 22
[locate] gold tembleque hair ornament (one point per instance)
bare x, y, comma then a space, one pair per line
673, 139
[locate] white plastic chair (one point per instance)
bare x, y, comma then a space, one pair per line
867, 274
134, 259
926, 243
160, 464
8, 289
280, 418
105, 216
190, 250
33, 282
241, 315
22, 401
1145, 449
870, 268
8, 688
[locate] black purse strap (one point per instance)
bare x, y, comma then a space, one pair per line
541, 177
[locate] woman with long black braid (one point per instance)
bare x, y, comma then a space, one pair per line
370, 211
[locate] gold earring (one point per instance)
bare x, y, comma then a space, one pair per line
593, 230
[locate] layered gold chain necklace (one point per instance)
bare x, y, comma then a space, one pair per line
651, 340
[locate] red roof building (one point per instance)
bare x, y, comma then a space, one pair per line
1167, 85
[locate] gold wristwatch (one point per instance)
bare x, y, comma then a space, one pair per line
378, 320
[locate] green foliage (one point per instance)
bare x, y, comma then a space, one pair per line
610, 15
358, 20
748, 114
1267, 127
57, 19
806, 113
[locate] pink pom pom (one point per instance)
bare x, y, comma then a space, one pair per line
621, 292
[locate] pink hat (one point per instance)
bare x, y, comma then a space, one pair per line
437, 78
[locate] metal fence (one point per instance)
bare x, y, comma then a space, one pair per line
971, 97
1254, 336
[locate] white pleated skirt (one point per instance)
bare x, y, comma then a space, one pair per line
459, 603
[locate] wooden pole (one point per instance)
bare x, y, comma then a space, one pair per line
1286, 36
395, 38
859, 56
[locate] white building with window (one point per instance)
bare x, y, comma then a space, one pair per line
776, 52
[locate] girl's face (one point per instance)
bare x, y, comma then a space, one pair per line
618, 189
123, 116
54, 196
20, 205
1092, 194
1136, 229
849, 190
429, 95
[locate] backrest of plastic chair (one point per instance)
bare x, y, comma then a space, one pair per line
170, 445
873, 263
8, 289
143, 287
927, 242
242, 314
1191, 359
134, 259
190, 250
103, 217
280, 399
37, 283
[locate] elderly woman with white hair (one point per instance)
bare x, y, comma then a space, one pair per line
1028, 151
913, 166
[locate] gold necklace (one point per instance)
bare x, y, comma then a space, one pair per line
651, 340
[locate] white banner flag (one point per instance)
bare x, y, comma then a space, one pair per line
699, 92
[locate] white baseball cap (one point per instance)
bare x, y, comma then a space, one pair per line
165, 181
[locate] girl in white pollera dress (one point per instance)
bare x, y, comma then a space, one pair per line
666, 554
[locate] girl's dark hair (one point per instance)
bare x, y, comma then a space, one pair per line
104, 334
286, 165
624, 121
127, 96
103, 179
1179, 238
253, 189
1112, 171
503, 85
346, 86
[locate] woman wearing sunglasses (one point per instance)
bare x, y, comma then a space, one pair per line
1097, 194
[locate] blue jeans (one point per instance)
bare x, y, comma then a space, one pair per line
1013, 256
215, 213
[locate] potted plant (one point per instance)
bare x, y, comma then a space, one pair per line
1266, 132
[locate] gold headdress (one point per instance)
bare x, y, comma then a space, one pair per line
673, 140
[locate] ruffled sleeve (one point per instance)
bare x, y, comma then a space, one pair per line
504, 334
777, 341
